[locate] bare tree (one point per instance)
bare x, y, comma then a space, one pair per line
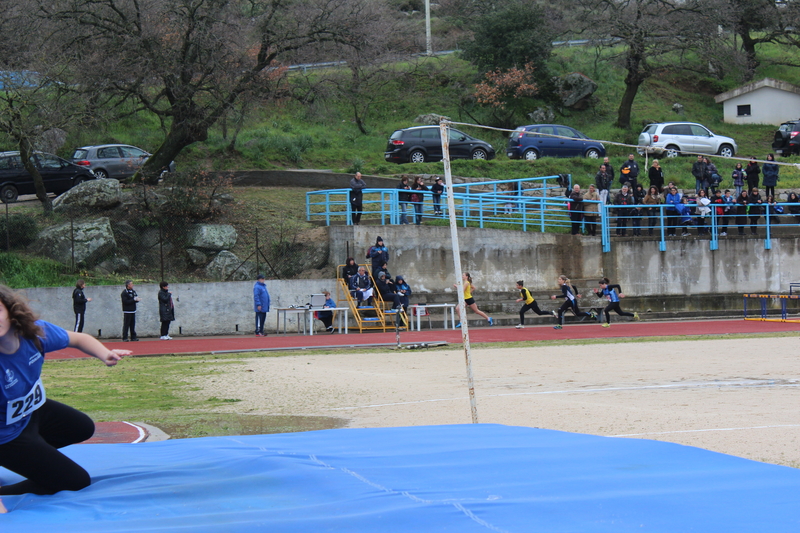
643, 35
189, 61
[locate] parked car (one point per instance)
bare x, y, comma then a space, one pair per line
551, 140
58, 175
787, 140
673, 138
423, 143
113, 160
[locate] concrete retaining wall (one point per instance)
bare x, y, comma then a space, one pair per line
200, 308
496, 259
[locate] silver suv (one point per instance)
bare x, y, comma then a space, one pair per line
113, 160
673, 138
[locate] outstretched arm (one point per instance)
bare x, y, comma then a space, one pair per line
95, 348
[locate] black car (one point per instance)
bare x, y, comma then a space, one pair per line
787, 138
58, 175
423, 143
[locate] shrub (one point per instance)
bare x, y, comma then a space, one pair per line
17, 231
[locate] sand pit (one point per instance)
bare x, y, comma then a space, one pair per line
735, 396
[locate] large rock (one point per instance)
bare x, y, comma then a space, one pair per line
212, 237
542, 115
431, 119
575, 89
93, 242
92, 194
225, 263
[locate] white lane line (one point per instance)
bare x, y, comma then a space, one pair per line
709, 384
142, 432
705, 430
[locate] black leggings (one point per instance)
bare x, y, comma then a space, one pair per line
531, 306
569, 304
34, 454
614, 306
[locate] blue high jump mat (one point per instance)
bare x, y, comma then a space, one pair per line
461, 478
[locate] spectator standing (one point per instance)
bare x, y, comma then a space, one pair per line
418, 191
699, 173
770, 179
721, 210
592, 210
629, 172
774, 209
703, 210
741, 211
403, 198
738, 176
624, 198
260, 304
79, 305
129, 300
751, 171
609, 171
656, 176
755, 211
576, 208
673, 200
793, 210
357, 186
653, 197
713, 176
637, 214
437, 189
602, 181
379, 254
166, 309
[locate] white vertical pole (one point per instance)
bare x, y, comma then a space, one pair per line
428, 41
462, 310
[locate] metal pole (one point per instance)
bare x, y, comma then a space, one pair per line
462, 310
161, 246
72, 241
257, 269
8, 231
428, 40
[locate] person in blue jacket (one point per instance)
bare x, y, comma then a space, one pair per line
260, 304
326, 317
770, 175
32, 426
379, 254
403, 291
613, 293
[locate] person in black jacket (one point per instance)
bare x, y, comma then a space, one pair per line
403, 198
438, 189
349, 270
79, 305
629, 172
576, 209
624, 197
166, 310
379, 254
357, 186
129, 301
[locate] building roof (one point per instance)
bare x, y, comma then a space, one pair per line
750, 87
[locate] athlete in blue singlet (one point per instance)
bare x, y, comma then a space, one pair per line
612, 293
33, 427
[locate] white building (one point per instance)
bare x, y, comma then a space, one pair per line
767, 101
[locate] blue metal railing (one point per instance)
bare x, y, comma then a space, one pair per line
524, 204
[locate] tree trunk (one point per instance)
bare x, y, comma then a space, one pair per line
749, 48
182, 134
26, 155
633, 80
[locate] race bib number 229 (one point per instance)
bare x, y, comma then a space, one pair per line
21, 407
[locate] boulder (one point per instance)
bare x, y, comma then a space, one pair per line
542, 115
224, 263
197, 257
113, 266
574, 89
212, 236
92, 194
93, 241
431, 119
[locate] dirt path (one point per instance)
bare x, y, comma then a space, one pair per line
735, 396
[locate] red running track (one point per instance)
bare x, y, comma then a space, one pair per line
572, 330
